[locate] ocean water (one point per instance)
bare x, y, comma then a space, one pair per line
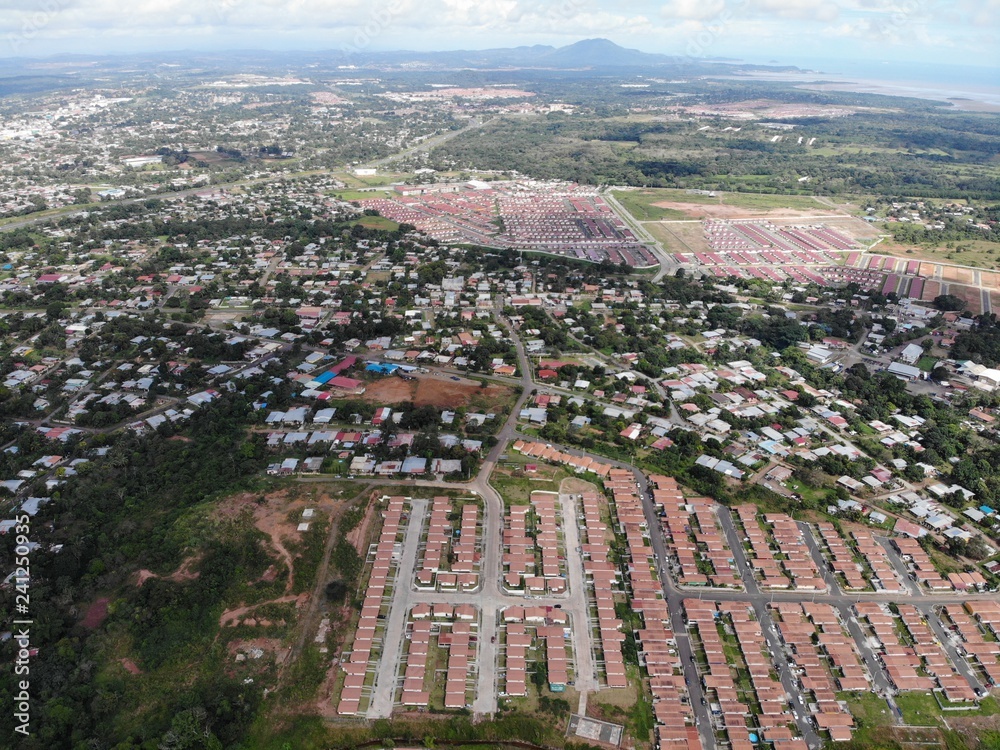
920, 80
937, 75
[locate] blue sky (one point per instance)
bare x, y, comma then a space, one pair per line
787, 31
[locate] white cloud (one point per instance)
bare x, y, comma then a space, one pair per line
809, 10
693, 9
762, 29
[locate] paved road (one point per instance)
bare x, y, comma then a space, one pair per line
490, 599
668, 266
949, 642
788, 680
759, 601
578, 606
673, 595
900, 566
817, 555
735, 542
880, 681
430, 143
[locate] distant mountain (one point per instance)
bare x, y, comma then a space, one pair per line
599, 53
588, 54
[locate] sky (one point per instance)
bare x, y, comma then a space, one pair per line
964, 32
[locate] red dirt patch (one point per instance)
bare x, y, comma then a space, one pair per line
131, 666
931, 289
96, 614
233, 617
449, 393
144, 575
271, 517
359, 534
390, 391
435, 390
724, 211
183, 573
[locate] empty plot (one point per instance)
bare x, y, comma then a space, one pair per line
972, 295
931, 290
958, 275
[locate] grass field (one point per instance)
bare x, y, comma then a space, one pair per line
762, 200
811, 494
975, 253
378, 222
516, 487
926, 363
639, 203
49, 212
382, 179
360, 195
867, 709
643, 200
680, 238
922, 709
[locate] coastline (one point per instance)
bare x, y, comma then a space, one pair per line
963, 97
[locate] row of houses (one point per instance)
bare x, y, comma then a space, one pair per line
853, 575
731, 706
450, 556
695, 540
826, 660
921, 662
455, 629
534, 562
374, 607
795, 568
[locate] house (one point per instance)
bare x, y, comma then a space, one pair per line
819, 354
348, 384
632, 432
983, 416
414, 465
904, 372
286, 467
911, 354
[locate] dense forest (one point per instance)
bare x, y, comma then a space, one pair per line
923, 153
135, 509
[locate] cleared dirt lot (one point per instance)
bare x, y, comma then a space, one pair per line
972, 296
678, 237
723, 211
959, 275
434, 391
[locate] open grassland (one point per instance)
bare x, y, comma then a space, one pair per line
515, 484
666, 204
975, 253
378, 222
